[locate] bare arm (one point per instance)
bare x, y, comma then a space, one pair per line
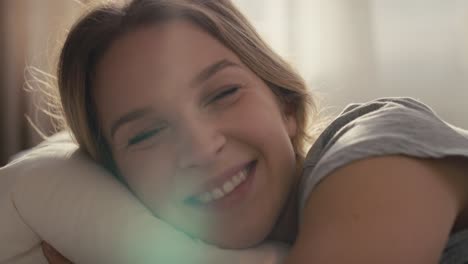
391, 209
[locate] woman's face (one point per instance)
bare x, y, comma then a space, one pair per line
199, 138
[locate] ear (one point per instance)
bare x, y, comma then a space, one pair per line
290, 120
291, 125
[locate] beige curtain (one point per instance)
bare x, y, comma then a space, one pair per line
30, 33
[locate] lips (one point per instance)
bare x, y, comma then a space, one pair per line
218, 181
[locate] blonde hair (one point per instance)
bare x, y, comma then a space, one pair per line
89, 38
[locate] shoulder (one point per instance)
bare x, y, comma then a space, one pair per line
384, 183
383, 127
389, 209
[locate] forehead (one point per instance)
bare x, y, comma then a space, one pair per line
166, 55
170, 46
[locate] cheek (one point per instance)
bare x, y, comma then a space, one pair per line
263, 122
149, 177
267, 127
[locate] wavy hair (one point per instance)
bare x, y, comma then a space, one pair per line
93, 33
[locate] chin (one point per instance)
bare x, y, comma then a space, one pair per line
225, 244
241, 240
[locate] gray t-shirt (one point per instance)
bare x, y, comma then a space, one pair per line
386, 126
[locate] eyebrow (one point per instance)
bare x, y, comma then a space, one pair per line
127, 118
204, 75
211, 70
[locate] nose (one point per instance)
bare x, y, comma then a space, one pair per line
200, 143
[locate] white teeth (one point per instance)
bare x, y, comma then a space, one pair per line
226, 188
237, 179
217, 193
205, 197
243, 175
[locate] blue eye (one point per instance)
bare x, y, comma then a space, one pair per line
225, 93
143, 136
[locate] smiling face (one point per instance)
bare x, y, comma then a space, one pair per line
199, 138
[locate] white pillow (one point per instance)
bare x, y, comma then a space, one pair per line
55, 193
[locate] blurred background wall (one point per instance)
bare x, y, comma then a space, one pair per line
355, 50
347, 50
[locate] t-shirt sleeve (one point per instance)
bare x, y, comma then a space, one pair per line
387, 126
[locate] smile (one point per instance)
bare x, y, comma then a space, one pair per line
228, 188
225, 188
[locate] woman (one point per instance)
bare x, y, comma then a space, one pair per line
207, 126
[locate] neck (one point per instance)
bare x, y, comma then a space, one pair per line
286, 227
